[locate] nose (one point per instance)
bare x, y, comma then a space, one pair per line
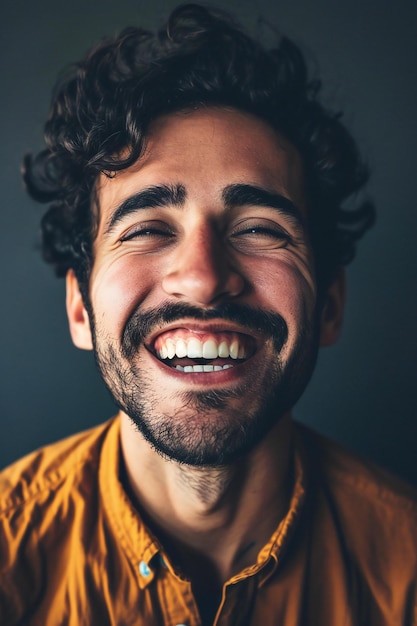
200, 270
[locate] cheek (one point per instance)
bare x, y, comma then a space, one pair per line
286, 289
117, 290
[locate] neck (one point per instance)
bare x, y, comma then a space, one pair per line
217, 516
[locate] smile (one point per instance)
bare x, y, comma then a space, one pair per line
191, 352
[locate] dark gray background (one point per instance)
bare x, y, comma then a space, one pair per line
363, 392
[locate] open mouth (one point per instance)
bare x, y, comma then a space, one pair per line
192, 352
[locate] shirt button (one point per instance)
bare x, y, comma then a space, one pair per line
144, 569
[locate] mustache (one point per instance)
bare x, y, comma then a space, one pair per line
142, 323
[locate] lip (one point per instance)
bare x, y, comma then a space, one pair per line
209, 379
232, 375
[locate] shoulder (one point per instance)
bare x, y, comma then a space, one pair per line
374, 512
49, 512
363, 521
349, 474
26, 481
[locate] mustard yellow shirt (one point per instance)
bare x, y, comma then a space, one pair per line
75, 552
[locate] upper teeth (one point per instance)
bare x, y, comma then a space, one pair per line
193, 348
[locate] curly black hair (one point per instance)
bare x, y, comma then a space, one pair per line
101, 110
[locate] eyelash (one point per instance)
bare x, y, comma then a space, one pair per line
242, 237
262, 230
147, 231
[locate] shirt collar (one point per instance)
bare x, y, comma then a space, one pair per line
142, 547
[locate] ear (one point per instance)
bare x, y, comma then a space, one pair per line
79, 322
332, 310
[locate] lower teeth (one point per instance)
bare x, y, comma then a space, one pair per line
189, 369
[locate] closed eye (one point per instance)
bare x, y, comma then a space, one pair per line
148, 234
265, 235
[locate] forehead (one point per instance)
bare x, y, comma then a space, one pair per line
206, 150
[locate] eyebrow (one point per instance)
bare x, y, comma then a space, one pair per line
246, 195
151, 197
233, 196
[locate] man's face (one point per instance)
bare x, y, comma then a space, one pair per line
203, 290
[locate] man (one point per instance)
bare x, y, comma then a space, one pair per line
195, 189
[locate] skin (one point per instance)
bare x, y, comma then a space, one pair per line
210, 519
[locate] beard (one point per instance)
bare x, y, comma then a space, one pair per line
214, 427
